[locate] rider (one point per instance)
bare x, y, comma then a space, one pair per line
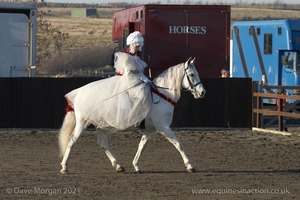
128, 63
121, 101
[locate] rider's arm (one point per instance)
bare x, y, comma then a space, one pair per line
136, 75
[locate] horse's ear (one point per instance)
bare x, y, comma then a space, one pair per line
194, 60
189, 61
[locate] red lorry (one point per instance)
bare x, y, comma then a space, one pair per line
173, 33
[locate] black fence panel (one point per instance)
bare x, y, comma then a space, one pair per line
35, 102
40, 103
228, 103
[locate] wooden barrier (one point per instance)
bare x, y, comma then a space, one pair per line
260, 110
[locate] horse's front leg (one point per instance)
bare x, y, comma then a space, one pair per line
168, 133
143, 143
102, 141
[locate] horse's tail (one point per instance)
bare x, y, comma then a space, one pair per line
66, 129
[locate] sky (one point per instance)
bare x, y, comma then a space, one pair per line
175, 1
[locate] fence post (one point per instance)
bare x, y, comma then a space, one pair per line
254, 115
258, 104
259, 117
280, 117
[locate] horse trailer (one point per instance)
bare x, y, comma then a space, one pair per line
173, 33
267, 51
18, 25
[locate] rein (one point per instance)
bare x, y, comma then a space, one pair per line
158, 93
163, 96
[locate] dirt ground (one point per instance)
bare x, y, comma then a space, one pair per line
231, 164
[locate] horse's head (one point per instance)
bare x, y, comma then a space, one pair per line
191, 80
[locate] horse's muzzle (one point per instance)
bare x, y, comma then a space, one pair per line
199, 95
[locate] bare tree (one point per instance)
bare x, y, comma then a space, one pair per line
49, 40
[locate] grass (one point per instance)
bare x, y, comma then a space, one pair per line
83, 31
240, 14
96, 31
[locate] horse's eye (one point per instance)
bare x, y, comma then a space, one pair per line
192, 75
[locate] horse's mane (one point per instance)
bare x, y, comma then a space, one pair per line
171, 79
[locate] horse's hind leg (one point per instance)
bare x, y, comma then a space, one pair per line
76, 133
141, 148
102, 141
168, 133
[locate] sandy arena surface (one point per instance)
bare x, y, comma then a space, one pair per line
231, 164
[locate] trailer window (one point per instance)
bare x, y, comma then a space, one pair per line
298, 64
125, 35
268, 43
291, 61
137, 23
258, 31
141, 19
297, 40
251, 30
279, 30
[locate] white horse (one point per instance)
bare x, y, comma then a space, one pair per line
169, 86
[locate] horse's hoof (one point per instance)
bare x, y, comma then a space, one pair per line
64, 171
121, 169
138, 172
192, 170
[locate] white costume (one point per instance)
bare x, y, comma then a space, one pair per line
120, 101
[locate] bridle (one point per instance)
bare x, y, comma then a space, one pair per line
192, 86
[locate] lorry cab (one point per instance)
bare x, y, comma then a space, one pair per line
290, 62
267, 51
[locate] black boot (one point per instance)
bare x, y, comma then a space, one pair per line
142, 125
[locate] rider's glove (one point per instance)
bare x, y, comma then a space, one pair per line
147, 81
